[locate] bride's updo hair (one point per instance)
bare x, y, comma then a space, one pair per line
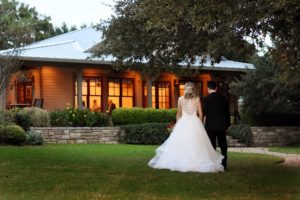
189, 90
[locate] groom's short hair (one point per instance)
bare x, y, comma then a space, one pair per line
212, 85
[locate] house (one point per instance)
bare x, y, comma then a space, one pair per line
59, 71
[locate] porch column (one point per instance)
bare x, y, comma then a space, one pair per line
79, 88
149, 92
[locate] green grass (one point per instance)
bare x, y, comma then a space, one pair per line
120, 172
289, 149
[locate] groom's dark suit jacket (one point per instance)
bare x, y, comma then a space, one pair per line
216, 111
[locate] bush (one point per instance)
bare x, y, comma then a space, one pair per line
142, 115
270, 119
23, 119
59, 118
17, 116
3, 119
148, 133
77, 117
8, 117
34, 138
242, 132
38, 117
100, 119
276, 119
12, 134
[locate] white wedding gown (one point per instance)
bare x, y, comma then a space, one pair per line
188, 148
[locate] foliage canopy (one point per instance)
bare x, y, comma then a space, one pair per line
167, 32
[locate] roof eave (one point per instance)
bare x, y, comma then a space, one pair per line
65, 60
103, 62
225, 69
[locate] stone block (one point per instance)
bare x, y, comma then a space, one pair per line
72, 141
67, 131
81, 142
65, 137
75, 135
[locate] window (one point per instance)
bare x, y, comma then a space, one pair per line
198, 87
91, 92
160, 95
120, 91
24, 91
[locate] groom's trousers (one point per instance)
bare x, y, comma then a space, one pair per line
221, 137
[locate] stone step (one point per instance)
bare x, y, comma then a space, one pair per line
231, 142
240, 145
229, 137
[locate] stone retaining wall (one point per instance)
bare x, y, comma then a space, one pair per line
262, 136
80, 135
275, 136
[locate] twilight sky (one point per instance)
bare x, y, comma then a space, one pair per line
73, 12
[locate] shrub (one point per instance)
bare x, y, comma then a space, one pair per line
148, 133
34, 138
8, 117
59, 118
276, 119
22, 119
242, 132
100, 119
12, 134
142, 115
38, 117
3, 117
270, 119
77, 117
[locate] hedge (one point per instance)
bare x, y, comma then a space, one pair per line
148, 133
124, 116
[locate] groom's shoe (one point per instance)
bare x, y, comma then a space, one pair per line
224, 163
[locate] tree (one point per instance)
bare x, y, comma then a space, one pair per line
21, 25
8, 65
167, 32
64, 29
266, 96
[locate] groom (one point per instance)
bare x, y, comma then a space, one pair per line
217, 118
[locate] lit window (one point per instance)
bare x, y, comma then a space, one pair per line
198, 87
120, 91
160, 95
91, 93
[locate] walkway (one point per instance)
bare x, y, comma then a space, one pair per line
289, 159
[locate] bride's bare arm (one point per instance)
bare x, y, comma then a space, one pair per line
179, 110
199, 108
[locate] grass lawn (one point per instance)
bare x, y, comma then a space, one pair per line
289, 149
121, 172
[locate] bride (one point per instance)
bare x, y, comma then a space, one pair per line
188, 149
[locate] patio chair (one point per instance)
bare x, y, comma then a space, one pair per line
38, 103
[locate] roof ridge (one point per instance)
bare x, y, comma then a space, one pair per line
46, 45
61, 35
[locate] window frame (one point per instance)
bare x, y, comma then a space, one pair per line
24, 85
121, 90
88, 90
195, 82
156, 84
